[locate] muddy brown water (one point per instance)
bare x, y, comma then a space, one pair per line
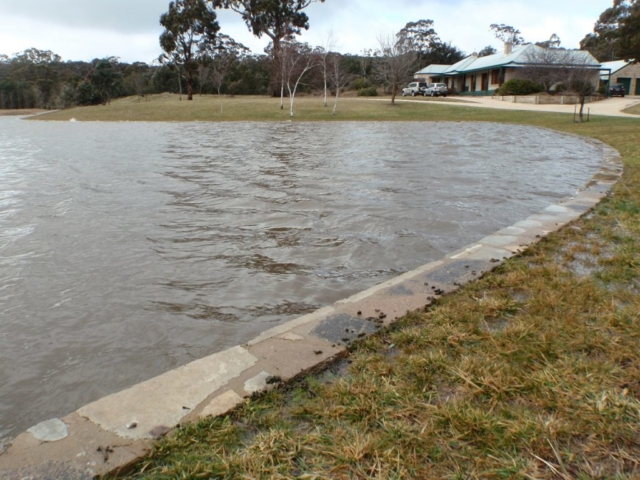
128, 249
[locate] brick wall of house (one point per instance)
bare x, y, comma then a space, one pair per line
632, 72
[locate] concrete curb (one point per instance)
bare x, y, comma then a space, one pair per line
112, 434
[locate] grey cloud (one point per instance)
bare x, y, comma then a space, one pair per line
125, 16
135, 16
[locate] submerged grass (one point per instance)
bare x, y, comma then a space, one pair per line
533, 371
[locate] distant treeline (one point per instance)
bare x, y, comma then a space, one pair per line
40, 79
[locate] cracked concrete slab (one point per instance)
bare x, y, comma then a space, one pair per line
222, 404
292, 337
343, 329
492, 254
455, 272
257, 383
168, 398
286, 360
399, 290
281, 329
86, 452
580, 208
499, 240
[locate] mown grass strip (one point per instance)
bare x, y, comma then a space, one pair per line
168, 108
533, 371
635, 110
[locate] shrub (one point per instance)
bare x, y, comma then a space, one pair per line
68, 97
520, 86
559, 87
360, 83
86, 94
368, 92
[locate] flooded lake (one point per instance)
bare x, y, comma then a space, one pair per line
128, 249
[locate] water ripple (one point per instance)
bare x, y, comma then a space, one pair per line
127, 250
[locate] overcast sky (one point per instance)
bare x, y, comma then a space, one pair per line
129, 29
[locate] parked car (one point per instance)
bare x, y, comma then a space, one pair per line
436, 89
414, 88
617, 89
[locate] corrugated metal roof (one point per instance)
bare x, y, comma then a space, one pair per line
434, 68
614, 66
461, 65
521, 55
500, 59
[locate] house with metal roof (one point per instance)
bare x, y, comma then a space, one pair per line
484, 75
624, 72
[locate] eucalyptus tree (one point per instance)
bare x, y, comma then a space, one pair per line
616, 34
553, 42
37, 57
486, 51
40, 69
324, 55
365, 62
189, 25
137, 78
296, 60
277, 19
338, 76
106, 79
419, 37
507, 34
222, 57
446, 54
280, 20
395, 62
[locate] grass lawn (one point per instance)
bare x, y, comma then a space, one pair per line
635, 110
168, 107
20, 112
533, 371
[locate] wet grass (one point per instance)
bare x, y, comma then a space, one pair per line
533, 371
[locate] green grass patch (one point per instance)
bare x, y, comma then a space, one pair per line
207, 108
533, 371
635, 110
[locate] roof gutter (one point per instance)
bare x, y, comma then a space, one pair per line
521, 65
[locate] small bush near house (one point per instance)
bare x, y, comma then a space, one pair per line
559, 88
520, 86
368, 92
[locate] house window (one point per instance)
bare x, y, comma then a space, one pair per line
495, 77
